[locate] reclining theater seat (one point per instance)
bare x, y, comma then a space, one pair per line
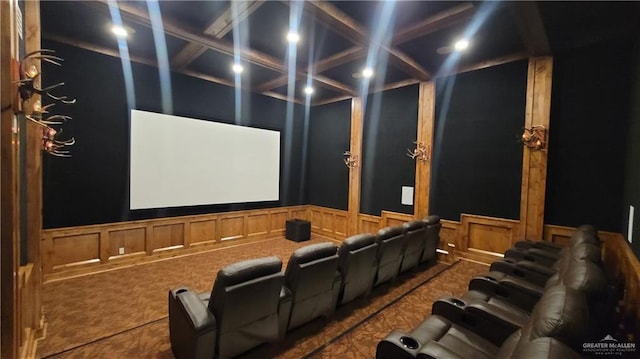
546, 245
546, 256
414, 239
390, 250
432, 238
561, 314
311, 278
243, 307
357, 264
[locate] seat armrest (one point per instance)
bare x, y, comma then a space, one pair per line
488, 321
284, 311
543, 257
545, 245
397, 345
487, 283
516, 254
492, 322
527, 270
192, 327
435, 350
520, 292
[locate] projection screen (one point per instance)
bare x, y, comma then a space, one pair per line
178, 161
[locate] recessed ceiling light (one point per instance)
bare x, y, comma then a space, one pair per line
461, 44
293, 37
119, 31
237, 68
308, 90
367, 72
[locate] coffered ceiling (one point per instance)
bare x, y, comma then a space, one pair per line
403, 42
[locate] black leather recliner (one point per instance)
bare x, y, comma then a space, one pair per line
546, 256
414, 245
357, 264
561, 314
432, 239
314, 283
550, 246
391, 242
242, 310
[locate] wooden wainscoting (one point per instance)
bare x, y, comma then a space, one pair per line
329, 222
86, 249
622, 265
391, 219
449, 241
482, 238
368, 223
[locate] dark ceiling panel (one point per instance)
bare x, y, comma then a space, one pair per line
590, 22
198, 14
496, 36
92, 23
266, 29
219, 65
350, 73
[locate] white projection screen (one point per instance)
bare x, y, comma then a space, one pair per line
178, 161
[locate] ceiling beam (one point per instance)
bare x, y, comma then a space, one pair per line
530, 27
150, 62
218, 29
174, 29
439, 21
345, 25
488, 63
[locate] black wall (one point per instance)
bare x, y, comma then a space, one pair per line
589, 116
631, 194
390, 128
329, 137
92, 186
477, 158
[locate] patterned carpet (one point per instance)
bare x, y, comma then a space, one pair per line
123, 313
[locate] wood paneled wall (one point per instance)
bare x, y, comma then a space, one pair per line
85, 249
622, 266
329, 222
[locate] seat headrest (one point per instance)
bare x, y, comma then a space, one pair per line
561, 313
388, 232
586, 251
413, 225
250, 269
584, 276
312, 252
588, 228
580, 237
431, 220
358, 241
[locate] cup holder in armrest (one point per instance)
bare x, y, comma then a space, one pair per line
181, 290
458, 302
490, 278
409, 342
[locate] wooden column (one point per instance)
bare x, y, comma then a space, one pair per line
355, 172
534, 162
9, 205
33, 180
426, 114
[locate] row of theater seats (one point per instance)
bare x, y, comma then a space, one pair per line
253, 302
540, 301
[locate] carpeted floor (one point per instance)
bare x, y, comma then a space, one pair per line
123, 313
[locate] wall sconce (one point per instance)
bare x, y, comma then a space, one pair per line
25, 76
535, 137
350, 160
420, 153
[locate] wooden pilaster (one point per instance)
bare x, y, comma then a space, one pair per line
426, 113
534, 162
355, 172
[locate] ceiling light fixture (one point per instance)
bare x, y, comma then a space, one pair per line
461, 44
367, 72
293, 37
119, 31
308, 90
237, 68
